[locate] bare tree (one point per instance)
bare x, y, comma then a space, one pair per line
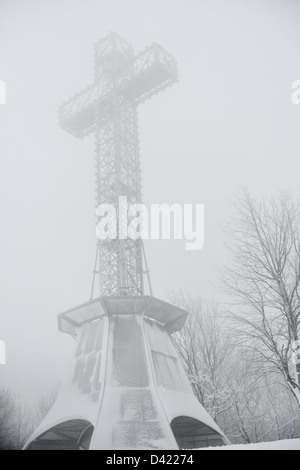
45, 404
263, 411
264, 281
248, 404
23, 425
16, 422
207, 354
7, 414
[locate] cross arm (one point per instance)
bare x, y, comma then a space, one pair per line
150, 72
78, 115
154, 70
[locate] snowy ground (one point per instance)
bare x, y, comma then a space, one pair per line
293, 444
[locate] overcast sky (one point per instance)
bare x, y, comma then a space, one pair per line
229, 122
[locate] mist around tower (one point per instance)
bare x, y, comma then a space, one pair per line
150, 228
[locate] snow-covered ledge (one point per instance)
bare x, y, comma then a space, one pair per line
292, 444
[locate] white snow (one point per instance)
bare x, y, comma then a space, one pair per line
292, 444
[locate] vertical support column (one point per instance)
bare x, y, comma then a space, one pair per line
117, 171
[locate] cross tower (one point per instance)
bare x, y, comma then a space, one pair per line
126, 387
108, 109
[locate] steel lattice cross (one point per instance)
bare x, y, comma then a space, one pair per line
108, 109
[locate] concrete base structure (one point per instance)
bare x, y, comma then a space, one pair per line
126, 388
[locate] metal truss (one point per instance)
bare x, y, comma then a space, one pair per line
108, 109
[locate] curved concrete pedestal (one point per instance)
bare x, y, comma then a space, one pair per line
126, 388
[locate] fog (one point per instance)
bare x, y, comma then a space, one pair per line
229, 122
